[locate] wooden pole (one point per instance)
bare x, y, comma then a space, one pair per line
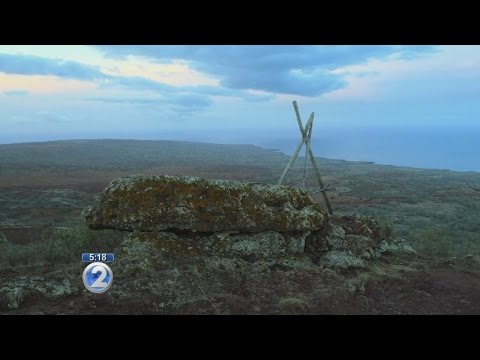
299, 119
295, 153
306, 137
308, 132
312, 158
319, 179
321, 190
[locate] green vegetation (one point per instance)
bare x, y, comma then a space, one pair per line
437, 211
434, 242
74, 155
63, 246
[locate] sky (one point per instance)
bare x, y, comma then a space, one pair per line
68, 92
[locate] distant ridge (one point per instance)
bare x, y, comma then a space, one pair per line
129, 154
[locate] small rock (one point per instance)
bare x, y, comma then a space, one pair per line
11, 298
295, 243
336, 231
394, 247
343, 260
359, 244
336, 243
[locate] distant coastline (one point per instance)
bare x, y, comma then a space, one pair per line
443, 148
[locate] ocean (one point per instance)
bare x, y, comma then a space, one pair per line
453, 148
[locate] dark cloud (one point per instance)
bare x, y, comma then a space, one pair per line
187, 98
289, 69
296, 70
36, 65
194, 97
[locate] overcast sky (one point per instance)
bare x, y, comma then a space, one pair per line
52, 92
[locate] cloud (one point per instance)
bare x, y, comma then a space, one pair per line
16, 92
287, 69
222, 91
200, 95
183, 102
36, 65
184, 98
250, 73
143, 84
139, 83
126, 100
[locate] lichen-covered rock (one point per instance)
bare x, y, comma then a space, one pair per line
335, 243
156, 203
295, 242
342, 259
262, 245
215, 284
358, 235
336, 231
398, 246
359, 244
14, 293
11, 299
340, 226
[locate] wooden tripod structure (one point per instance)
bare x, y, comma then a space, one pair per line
306, 136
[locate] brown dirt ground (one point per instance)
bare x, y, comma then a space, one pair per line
430, 288
442, 289
427, 288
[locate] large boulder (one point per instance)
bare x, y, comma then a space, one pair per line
262, 245
193, 204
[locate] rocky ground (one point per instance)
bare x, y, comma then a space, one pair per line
328, 265
392, 284
352, 266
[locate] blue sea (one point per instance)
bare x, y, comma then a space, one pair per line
452, 148
455, 149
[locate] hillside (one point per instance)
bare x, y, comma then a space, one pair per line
45, 186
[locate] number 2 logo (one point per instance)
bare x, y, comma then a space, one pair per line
97, 277
99, 283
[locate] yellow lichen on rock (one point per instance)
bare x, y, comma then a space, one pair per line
157, 203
